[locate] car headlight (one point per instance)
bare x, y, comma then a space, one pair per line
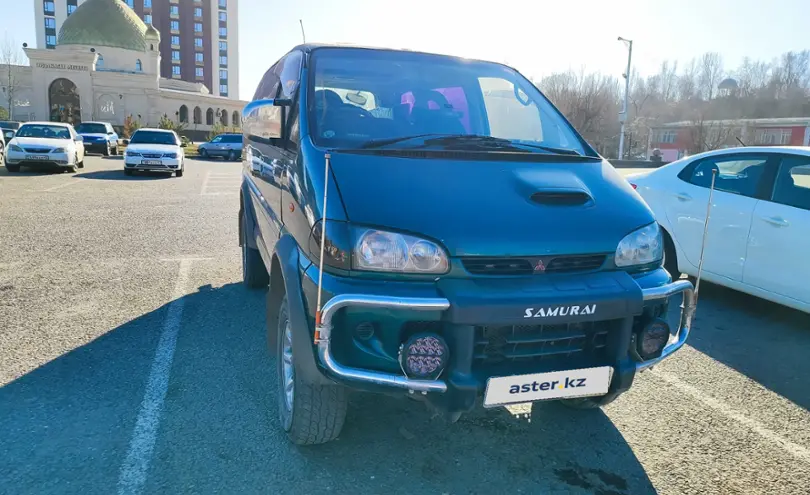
58, 150
169, 155
16, 148
133, 153
642, 247
378, 250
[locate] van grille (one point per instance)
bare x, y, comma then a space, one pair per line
511, 343
527, 266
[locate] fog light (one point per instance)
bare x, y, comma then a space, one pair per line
653, 339
423, 356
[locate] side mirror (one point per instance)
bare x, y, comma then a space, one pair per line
125, 141
183, 144
110, 133
79, 138
264, 119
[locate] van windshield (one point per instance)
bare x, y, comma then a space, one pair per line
358, 96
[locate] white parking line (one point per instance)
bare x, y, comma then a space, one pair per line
60, 186
794, 449
221, 183
133, 472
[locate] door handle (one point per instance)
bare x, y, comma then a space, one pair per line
777, 221
683, 197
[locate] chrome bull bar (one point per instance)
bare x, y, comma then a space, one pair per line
685, 324
323, 332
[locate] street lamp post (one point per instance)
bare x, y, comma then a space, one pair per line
623, 114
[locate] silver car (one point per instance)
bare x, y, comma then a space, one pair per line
227, 146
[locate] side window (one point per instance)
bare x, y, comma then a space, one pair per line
736, 174
268, 88
793, 182
288, 70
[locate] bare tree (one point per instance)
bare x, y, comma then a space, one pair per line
11, 59
668, 77
752, 77
686, 81
711, 71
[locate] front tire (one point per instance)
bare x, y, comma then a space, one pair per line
107, 150
232, 156
310, 414
203, 154
254, 273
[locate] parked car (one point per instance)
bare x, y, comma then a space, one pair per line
8, 129
9, 124
45, 144
99, 137
475, 245
225, 146
155, 150
757, 240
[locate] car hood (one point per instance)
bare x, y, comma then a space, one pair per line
44, 142
155, 148
493, 208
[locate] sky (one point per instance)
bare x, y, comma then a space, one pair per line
537, 37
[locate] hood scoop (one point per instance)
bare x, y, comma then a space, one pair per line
559, 197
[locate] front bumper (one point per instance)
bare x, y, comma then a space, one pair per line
26, 159
97, 146
460, 307
146, 164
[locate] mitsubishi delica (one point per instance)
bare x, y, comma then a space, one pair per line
432, 227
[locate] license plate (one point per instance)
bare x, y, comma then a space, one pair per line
36, 157
152, 162
543, 386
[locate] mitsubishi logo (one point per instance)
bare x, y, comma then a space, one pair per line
539, 267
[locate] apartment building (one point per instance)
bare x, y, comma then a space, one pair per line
199, 38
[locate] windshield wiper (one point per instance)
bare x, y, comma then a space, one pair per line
471, 140
379, 143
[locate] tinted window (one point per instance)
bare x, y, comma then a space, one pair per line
793, 182
44, 131
234, 138
361, 95
92, 129
736, 174
153, 137
268, 88
289, 73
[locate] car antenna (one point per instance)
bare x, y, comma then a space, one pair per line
739, 140
327, 161
705, 233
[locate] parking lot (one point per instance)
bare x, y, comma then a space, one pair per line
132, 360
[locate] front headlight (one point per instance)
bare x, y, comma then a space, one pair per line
16, 148
642, 247
133, 153
58, 150
169, 155
378, 250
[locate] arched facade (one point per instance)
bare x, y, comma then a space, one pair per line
183, 114
64, 101
197, 115
209, 117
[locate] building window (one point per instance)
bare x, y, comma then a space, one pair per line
223, 75
176, 40
147, 4
175, 54
197, 12
174, 10
71, 9
100, 62
209, 117
199, 72
198, 42
223, 46
223, 16
50, 41
223, 89
175, 70
665, 137
50, 23
175, 26
774, 136
198, 27
138, 65
184, 114
197, 115
223, 4
147, 18
49, 7
223, 32
131, 3
223, 61
199, 57
236, 120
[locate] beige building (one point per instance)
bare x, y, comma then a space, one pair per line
106, 66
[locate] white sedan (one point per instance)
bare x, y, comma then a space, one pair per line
758, 238
155, 150
45, 144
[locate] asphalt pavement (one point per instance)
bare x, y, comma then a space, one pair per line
132, 360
